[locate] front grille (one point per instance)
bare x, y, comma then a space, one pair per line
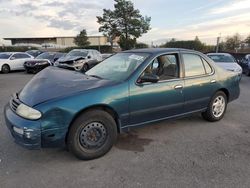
14, 103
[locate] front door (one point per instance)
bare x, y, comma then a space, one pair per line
156, 101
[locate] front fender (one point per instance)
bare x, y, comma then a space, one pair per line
58, 114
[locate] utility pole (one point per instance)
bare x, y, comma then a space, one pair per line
218, 43
99, 43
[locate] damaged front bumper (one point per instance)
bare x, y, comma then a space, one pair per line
26, 133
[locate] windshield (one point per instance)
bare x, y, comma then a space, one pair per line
46, 55
118, 67
77, 53
4, 56
222, 58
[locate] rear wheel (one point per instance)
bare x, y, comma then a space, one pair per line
5, 69
217, 107
92, 135
247, 72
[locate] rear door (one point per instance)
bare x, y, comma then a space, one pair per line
18, 60
199, 81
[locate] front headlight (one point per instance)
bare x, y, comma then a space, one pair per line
28, 112
78, 62
56, 63
42, 63
238, 70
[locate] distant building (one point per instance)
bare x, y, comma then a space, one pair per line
58, 41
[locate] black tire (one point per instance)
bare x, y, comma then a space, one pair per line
5, 69
247, 72
78, 137
208, 114
85, 68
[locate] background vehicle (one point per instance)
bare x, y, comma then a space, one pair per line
42, 61
132, 88
246, 65
34, 53
80, 59
226, 61
13, 61
106, 55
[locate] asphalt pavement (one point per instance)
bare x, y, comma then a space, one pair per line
188, 152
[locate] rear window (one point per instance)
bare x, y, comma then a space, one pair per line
222, 58
193, 65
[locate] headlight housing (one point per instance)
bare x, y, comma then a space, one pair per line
42, 63
28, 112
78, 62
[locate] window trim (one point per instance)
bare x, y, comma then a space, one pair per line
197, 76
181, 76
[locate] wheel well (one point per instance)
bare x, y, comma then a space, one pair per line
224, 90
105, 108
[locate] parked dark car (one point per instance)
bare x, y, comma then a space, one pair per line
129, 89
246, 65
80, 59
34, 53
42, 61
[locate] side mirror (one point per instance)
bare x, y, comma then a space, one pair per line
12, 58
89, 57
56, 59
149, 78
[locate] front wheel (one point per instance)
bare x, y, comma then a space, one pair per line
92, 135
217, 107
5, 69
85, 68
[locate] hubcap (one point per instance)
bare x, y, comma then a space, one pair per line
219, 105
93, 135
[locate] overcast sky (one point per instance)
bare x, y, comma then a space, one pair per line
181, 19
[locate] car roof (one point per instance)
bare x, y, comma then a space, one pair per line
84, 50
6, 53
158, 50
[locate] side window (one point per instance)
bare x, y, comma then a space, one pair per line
24, 56
193, 65
20, 56
16, 56
165, 66
207, 66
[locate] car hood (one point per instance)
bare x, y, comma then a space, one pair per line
34, 61
55, 82
229, 66
70, 58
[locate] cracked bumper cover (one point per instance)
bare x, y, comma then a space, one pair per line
26, 133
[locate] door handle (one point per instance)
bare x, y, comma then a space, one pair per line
213, 81
178, 87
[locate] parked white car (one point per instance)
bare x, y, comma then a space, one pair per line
10, 61
226, 61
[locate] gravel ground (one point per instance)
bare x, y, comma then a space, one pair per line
188, 152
